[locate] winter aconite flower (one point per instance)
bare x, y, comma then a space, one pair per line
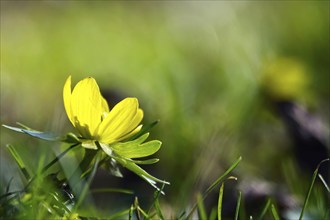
117, 132
89, 113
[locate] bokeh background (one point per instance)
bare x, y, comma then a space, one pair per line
204, 68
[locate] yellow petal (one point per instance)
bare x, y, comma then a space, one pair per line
132, 128
136, 130
86, 107
67, 99
121, 120
105, 107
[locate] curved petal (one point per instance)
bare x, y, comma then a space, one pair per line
134, 124
86, 107
67, 99
105, 106
130, 134
122, 119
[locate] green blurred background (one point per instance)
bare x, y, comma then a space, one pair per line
198, 66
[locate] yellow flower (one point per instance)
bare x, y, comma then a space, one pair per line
89, 113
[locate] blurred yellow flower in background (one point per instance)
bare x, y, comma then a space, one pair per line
89, 113
285, 79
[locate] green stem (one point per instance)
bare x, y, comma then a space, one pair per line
51, 164
83, 167
84, 192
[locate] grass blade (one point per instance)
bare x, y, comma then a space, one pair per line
222, 177
324, 183
130, 214
220, 201
213, 214
137, 211
19, 161
158, 210
311, 187
57, 158
274, 212
215, 183
201, 207
156, 203
265, 209
238, 205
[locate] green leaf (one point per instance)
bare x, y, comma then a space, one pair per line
19, 161
140, 172
112, 190
134, 149
131, 165
145, 162
48, 136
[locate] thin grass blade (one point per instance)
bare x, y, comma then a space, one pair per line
238, 204
19, 161
220, 201
222, 177
156, 203
214, 184
275, 212
310, 188
324, 182
201, 207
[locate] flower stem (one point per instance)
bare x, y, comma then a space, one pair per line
83, 167
57, 158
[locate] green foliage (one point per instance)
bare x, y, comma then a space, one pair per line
19, 161
135, 148
199, 67
47, 190
311, 187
